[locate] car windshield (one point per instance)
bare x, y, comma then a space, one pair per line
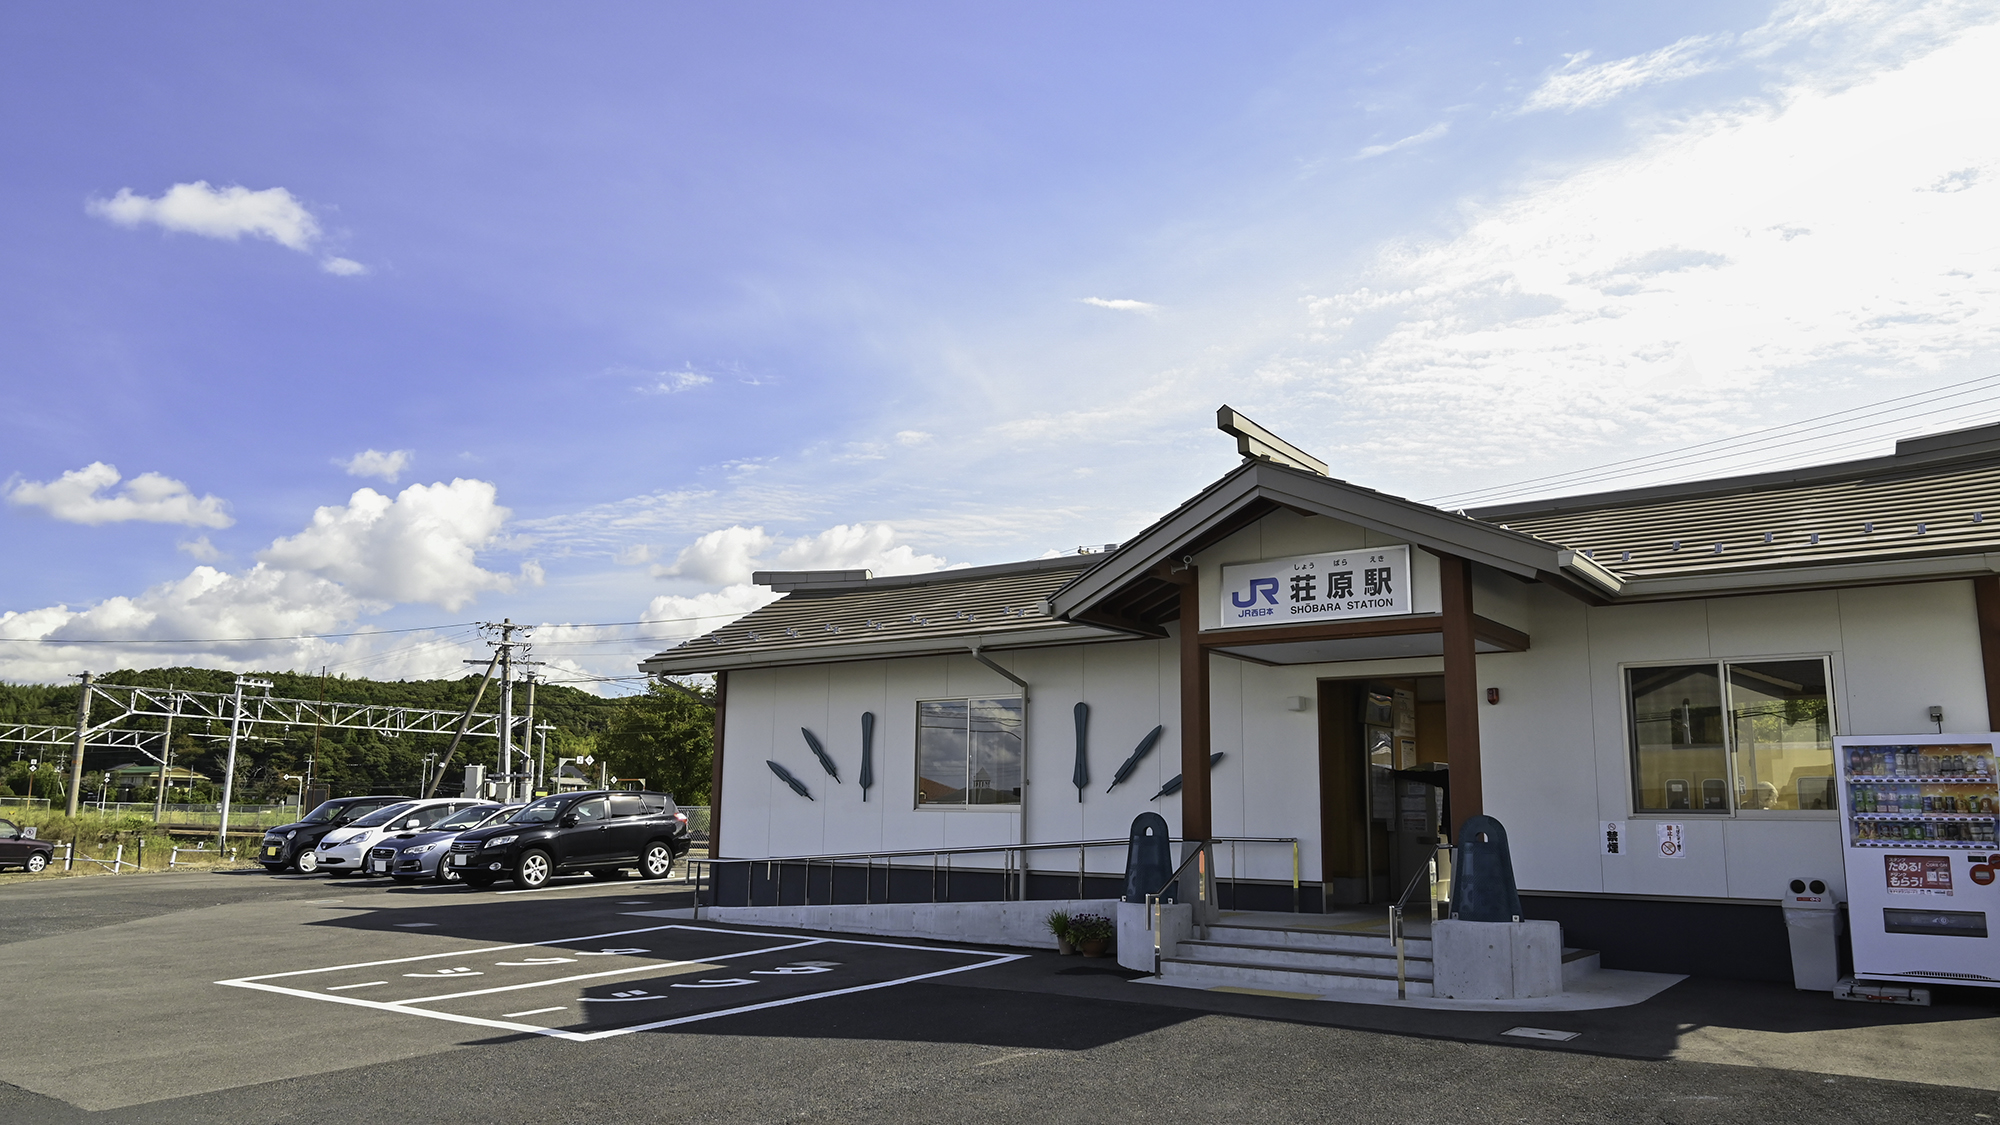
542, 811
324, 813
380, 817
464, 818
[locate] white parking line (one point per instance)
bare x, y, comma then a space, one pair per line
537, 1011
341, 987
792, 941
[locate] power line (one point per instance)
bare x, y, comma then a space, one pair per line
1800, 431
368, 633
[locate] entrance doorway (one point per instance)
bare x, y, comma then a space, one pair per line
1382, 784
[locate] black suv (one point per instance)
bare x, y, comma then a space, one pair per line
291, 845
599, 832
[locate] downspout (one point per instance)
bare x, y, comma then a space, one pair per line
1023, 821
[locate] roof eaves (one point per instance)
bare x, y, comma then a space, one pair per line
1515, 552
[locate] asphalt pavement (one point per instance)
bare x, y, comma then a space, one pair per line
239, 997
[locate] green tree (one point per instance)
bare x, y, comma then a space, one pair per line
667, 736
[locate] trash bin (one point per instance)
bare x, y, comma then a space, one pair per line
1812, 917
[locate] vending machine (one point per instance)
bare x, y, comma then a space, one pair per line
1918, 814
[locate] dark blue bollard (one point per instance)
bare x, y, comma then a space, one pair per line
1149, 861
1482, 886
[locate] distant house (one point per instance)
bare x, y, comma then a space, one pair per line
145, 775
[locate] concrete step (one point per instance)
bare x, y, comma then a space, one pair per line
1203, 973
1349, 941
1578, 964
1291, 956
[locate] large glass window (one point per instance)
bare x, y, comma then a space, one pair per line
1719, 737
969, 752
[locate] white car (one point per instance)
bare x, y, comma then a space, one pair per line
343, 849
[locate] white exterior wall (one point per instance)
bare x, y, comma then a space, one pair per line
1131, 686
1554, 751
1555, 758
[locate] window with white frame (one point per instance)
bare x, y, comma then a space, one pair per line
1731, 736
969, 752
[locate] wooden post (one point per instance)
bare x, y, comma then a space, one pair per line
1986, 602
1461, 690
715, 770
1197, 820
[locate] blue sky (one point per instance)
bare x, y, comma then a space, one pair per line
607, 305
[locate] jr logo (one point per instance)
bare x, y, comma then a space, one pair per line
1265, 586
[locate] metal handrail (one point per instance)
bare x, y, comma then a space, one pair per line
1396, 935
1011, 874
1204, 901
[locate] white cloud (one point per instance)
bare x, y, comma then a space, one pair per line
1120, 304
76, 497
674, 382
912, 437
226, 213
723, 558
200, 548
1415, 139
375, 463
1577, 86
729, 556
419, 547
1660, 291
672, 617
354, 560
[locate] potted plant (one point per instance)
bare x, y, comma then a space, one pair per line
1092, 933
1059, 921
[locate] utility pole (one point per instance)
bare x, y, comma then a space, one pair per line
528, 744
229, 768
166, 760
507, 705
82, 733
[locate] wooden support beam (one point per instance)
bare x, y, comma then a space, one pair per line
1197, 821
1461, 690
1484, 630
1986, 603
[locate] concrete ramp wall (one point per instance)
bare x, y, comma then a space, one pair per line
1021, 924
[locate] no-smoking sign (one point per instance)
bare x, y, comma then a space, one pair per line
1673, 841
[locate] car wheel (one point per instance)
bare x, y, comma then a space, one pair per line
658, 862
306, 861
478, 882
607, 874
447, 873
533, 869
36, 863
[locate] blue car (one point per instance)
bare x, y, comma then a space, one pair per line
412, 857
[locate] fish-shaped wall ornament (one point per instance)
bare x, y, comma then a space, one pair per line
1081, 777
825, 760
1139, 753
867, 752
785, 776
1173, 784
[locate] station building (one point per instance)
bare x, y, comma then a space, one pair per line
1642, 686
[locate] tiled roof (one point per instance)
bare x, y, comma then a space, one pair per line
1880, 510
849, 618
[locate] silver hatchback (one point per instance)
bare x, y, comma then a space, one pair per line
412, 857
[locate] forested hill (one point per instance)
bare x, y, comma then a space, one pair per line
660, 735
564, 706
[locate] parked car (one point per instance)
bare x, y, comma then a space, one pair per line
291, 845
596, 831
412, 857
343, 849
18, 849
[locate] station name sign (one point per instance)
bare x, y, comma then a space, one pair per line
1371, 582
